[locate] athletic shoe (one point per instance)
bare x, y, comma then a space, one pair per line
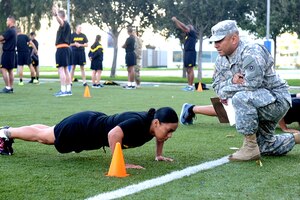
31, 81
7, 91
68, 93
21, 83
60, 94
186, 116
188, 88
84, 84
5, 143
129, 87
35, 81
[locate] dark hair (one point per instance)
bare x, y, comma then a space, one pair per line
32, 33
98, 38
164, 114
129, 29
61, 13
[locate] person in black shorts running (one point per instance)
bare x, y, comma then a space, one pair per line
91, 130
189, 57
8, 59
130, 58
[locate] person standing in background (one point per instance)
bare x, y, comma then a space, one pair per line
63, 52
138, 53
34, 57
8, 59
189, 57
23, 52
130, 58
96, 57
78, 42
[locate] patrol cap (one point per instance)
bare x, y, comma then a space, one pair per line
221, 29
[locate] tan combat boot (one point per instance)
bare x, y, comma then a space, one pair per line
249, 150
297, 138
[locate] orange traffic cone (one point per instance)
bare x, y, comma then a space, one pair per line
117, 166
199, 89
87, 92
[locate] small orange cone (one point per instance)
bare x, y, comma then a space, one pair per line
199, 89
117, 166
87, 92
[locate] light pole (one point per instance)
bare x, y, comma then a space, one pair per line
68, 10
267, 43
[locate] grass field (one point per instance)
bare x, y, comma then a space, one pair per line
38, 171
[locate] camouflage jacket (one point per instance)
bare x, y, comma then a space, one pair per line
257, 65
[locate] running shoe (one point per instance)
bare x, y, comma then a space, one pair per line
6, 144
129, 87
21, 83
7, 91
35, 81
60, 94
186, 115
189, 89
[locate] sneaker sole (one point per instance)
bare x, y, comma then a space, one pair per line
181, 114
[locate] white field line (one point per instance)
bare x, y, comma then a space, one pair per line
131, 189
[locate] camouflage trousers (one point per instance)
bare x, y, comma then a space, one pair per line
137, 68
262, 121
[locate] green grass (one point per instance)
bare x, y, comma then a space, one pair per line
38, 171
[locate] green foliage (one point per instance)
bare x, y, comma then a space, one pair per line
28, 13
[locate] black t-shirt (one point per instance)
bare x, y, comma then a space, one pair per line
190, 41
63, 35
130, 44
89, 130
80, 38
22, 43
36, 43
10, 37
293, 114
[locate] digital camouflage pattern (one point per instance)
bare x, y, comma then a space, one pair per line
261, 101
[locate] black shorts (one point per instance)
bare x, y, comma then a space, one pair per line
130, 59
35, 60
78, 57
8, 60
62, 57
189, 58
292, 114
76, 133
23, 58
96, 65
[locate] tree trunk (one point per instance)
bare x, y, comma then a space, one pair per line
114, 63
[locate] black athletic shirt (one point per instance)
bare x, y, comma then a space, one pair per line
22, 43
10, 37
89, 130
63, 35
80, 38
190, 41
130, 44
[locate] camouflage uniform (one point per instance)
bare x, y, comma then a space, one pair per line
138, 52
261, 101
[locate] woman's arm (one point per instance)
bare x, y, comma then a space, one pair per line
116, 135
284, 128
159, 150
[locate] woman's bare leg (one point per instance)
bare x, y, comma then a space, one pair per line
34, 133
